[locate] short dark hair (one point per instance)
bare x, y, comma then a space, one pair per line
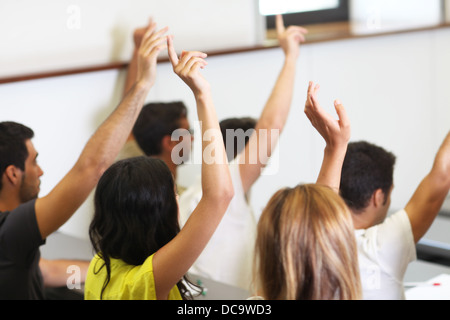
244, 123
366, 168
13, 150
155, 121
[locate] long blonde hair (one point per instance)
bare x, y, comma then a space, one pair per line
305, 247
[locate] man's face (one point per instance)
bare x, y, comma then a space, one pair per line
30, 186
183, 142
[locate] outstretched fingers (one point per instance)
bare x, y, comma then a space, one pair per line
344, 120
186, 67
312, 100
333, 131
190, 57
187, 60
279, 24
173, 57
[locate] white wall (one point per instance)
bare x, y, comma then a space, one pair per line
394, 87
47, 35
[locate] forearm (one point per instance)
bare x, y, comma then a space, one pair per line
131, 73
330, 171
441, 165
439, 177
216, 178
53, 210
429, 196
105, 144
425, 204
277, 108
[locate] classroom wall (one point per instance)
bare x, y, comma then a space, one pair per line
395, 88
46, 35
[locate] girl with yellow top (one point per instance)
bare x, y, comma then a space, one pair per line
141, 251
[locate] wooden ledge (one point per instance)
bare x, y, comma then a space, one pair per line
317, 33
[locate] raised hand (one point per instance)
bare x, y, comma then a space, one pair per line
187, 67
138, 34
147, 57
290, 37
336, 133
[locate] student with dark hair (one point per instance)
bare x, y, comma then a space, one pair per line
26, 220
153, 134
13, 150
141, 251
228, 256
386, 244
367, 168
156, 128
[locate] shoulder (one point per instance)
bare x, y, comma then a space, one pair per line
19, 232
23, 218
393, 237
398, 222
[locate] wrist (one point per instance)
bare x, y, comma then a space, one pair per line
291, 58
338, 150
144, 85
203, 94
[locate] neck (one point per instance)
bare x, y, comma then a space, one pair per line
168, 161
360, 220
8, 203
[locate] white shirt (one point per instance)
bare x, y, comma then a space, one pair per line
228, 256
384, 252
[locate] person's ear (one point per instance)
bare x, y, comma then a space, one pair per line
378, 198
13, 174
167, 144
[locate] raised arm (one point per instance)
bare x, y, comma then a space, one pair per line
429, 196
173, 261
53, 210
276, 110
138, 35
336, 134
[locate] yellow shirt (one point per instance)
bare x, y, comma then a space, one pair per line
127, 282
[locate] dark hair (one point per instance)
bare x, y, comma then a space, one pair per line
236, 124
366, 169
13, 150
134, 200
156, 121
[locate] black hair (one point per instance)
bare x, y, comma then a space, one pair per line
366, 168
134, 200
13, 150
156, 121
238, 126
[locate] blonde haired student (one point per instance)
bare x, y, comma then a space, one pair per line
305, 247
141, 251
